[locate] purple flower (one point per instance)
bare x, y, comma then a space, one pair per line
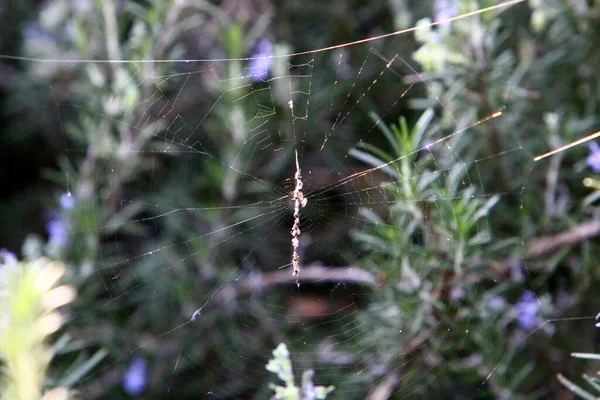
445, 10
135, 378
495, 303
260, 63
527, 309
58, 233
37, 33
7, 257
457, 293
58, 226
66, 201
593, 160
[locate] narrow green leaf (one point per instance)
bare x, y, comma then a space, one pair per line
593, 382
575, 388
374, 162
81, 370
421, 126
386, 132
377, 152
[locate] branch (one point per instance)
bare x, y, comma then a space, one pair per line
314, 273
549, 245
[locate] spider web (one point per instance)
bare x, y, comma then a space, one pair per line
236, 149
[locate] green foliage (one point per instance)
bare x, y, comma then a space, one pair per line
594, 382
430, 206
578, 390
281, 365
430, 249
29, 298
128, 170
444, 239
476, 68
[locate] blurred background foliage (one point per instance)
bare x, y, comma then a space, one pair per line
478, 262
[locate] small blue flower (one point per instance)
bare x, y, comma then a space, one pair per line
58, 224
527, 309
260, 64
7, 258
34, 32
58, 233
495, 303
135, 378
593, 160
66, 201
445, 10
